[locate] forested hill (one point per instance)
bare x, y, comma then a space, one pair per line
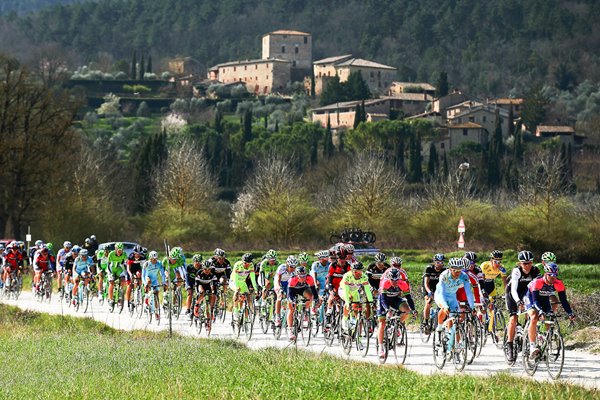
487, 47
25, 6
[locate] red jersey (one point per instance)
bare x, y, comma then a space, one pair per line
460, 293
336, 273
13, 259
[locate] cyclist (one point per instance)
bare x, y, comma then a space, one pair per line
239, 273
445, 292
549, 257
68, 268
390, 296
375, 272
37, 246
474, 287
134, 269
516, 294
13, 261
337, 269
150, 272
192, 271
539, 292
300, 284
319, 270
282, 276
101, 267
350, 285
81, 270
350, 258
222, 267
431, 277
175, 265
41, 263
206, 283
268, 268
116, 262
490, 270
61, 256
472, 257
396, 262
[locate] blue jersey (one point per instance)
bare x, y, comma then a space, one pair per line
151, 270
80, 265
445, 291
320, 272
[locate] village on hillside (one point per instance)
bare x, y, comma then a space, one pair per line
287, 58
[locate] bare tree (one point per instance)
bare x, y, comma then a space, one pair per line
449, 193
185, 182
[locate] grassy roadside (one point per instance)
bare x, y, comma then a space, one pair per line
61, 357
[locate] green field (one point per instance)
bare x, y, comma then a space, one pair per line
62, 357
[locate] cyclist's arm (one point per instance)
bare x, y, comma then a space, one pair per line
426, 284
469, 293
562, 296
514, 284
367, 289
253, 280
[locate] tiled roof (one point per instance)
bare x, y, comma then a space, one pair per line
425, 86
555, 129
482, 107
287, 32
347, 104
466, 125
246, 62
333, 60
410, 97
506, 101
359, 62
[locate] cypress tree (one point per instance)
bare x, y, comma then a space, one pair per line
149, 64
357, 117
247, 120
400, 157
133, 66
441, 86
432, 164
415, 172
328, 141
518, 146
141, 68
445, 165
218, 123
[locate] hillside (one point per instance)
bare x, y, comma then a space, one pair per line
494, 48
25, 6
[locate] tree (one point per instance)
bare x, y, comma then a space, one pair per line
328, 141
534, 108
355, 87
333, 92
149, 64
441, 86
433, 163
37, 141
415, 173
141, 68
133, 67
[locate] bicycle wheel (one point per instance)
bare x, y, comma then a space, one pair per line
461, 346
481, 336
555, 354
363, 336
156, 308
149, 307
121, 301
177, 303
248, 319
77, 299
306, 326
86, 298
401, 343
505, 348
439, 349
499, 329
139, 301
346, 341
223, 306
199, 320
425, 329
471, 329
530, 366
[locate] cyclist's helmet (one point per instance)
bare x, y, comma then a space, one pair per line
439, 257
153, 254
357, 266
466, 263
2, 246
497, 254
138, 249
50, 246
525, 256
303, 258
119, 246
471, 256
322, 254
456, 263
176, 252
87, 241
271, 255
341, 253
332, 253
83, 252
292, 261
76, 249
301, 270
206, 264
197, 258
38, 243
93, 237
247, 258
549, 257
396, 261
394, 274
349, 248
67, 244
551, 268
219, 252
380, 257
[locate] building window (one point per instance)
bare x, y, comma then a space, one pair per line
267, 77
245, 67
283, 49
471, 119
442, 145
305, 40
372, 74
233, 69
484, 119
256, 78
296, 49
379, 74
285, 36
294, 62
465, 132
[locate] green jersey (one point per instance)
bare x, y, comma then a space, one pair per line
239, 273
116, 263
351, 286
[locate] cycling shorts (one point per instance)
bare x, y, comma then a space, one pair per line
293, 294
242, 286
153, 279
205, 288
81, 274
394, 302
461, 296
451, 301
134, 270
116, 273
489, 287
512, 306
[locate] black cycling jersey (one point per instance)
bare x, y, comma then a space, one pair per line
206, 278
522, 280
434, 277
221, 269
374, 274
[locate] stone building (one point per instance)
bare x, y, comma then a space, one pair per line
397, 88
293, 46
378, 77
259, 76
342, 115
185, 66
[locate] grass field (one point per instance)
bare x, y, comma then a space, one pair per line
68, 358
